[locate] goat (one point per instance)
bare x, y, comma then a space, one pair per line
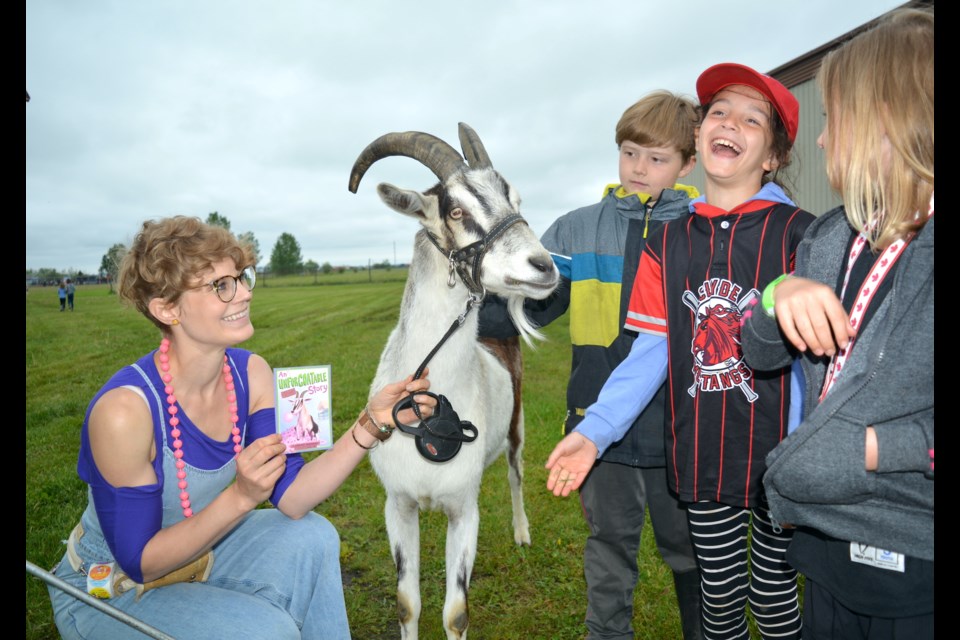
470, 216
303, 434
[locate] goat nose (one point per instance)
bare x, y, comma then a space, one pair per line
542, 264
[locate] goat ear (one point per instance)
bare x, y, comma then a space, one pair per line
407, 202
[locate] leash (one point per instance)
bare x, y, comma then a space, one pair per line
439, 437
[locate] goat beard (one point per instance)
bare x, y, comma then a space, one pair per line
528, 330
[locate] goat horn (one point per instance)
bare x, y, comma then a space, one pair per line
473, 149
430, 151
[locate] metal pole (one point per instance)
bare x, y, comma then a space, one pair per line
96, 603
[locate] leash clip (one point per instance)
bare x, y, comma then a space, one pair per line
452, 271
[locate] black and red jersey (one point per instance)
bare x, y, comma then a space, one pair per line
697, 277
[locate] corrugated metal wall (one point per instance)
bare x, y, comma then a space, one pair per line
810, 187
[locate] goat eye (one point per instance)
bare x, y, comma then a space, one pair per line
457, 213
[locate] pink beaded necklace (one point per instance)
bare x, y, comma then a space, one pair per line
175, 421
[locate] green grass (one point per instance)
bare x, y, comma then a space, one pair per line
530, 593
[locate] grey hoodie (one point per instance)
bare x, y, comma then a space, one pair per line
816, 476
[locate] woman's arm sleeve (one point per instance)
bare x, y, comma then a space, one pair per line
129, 517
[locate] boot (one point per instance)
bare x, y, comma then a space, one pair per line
687, 585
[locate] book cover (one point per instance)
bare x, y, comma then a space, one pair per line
304, 418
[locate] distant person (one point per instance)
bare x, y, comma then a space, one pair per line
180, 449
856, 477
71, 290
597, 248
62, 294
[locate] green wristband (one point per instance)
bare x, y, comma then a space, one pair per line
767, 299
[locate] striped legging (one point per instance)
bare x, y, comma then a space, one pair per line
719, 535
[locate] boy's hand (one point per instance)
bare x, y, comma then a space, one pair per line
811, 316
569, 464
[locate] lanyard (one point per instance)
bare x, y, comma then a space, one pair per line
881, 267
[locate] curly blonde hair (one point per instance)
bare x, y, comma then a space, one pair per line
168, 255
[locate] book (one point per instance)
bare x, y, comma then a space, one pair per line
303, 411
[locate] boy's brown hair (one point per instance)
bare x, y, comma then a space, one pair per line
661, 119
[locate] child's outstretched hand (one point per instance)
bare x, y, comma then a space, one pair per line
811, 316
569, 464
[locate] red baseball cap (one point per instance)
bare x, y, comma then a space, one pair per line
723, 75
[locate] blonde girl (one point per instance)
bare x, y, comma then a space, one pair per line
856, 477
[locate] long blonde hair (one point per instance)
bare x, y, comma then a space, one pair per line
878, 93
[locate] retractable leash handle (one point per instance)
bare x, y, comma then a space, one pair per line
439, 437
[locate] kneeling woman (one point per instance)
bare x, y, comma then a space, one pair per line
179, 450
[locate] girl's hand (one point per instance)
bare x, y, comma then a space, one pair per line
811, 316
382, 403
569, 463
259, 466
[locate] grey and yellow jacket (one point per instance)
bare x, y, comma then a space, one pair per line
597, 250
816, 476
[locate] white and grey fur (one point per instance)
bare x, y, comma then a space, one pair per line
461, 209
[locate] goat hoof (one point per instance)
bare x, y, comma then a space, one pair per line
459, 624
403, 611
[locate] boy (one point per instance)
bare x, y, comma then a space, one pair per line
597, 249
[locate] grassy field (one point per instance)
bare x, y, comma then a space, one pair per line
530, 593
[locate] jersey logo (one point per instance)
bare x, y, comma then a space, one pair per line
717, 357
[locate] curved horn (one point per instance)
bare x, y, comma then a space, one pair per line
430, 151
473, 149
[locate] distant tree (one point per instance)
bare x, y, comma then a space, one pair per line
327, 267
218, 220
46, 274
312, 267
248, 238
110, 263
286, 256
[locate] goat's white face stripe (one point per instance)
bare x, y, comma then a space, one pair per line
510, 262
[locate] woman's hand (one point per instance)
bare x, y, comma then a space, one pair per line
259, 466
811, 316
569, 463
382, 403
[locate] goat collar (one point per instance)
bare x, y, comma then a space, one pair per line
466, 262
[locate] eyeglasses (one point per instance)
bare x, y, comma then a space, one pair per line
226, 287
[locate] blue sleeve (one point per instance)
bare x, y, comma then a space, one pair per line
129, 517
263, 423
797, 388
626, 392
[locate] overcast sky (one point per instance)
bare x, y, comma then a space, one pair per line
257, 109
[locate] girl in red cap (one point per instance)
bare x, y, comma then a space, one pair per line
697, 279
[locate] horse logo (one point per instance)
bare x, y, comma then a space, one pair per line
717, 357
